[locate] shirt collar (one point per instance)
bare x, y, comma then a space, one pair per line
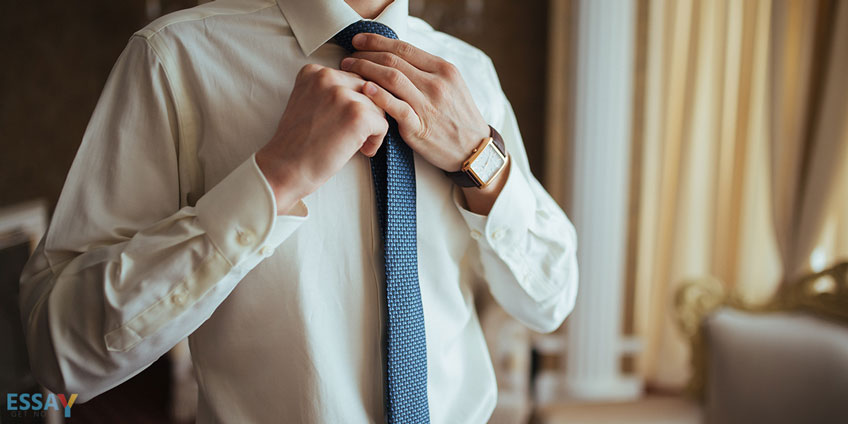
314, 22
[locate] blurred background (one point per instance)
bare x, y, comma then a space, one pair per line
699, 146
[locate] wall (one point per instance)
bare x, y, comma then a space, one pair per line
57, 55
514, 34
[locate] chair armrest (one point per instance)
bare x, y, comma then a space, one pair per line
778, 367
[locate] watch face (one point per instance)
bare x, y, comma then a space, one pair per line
487, 164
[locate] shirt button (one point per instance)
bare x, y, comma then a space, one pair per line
475, 234
498, 234
179, 298
266, 251
245, 237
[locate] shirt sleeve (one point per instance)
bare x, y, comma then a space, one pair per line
527, 246
124, 272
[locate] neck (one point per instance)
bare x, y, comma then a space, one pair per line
368, 9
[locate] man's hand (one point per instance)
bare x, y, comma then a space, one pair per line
428, 98
425, 94
327, 120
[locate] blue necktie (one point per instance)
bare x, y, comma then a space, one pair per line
393, 171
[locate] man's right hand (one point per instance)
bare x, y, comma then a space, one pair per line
327, 120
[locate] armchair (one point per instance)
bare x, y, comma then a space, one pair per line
783, 362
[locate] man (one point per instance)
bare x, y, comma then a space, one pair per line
225, 190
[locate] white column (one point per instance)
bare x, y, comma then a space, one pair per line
602, 138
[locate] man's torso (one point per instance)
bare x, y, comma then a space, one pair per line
300, 337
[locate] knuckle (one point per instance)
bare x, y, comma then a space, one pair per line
338, 94
311, 68
394, 77
389, 60
307, 70
325, 76
448, 70
405, 49
438, 87
404, 114
355, 111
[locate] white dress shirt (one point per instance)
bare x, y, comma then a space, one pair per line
166, 228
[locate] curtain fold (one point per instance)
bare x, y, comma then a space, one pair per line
744, 139
809, 122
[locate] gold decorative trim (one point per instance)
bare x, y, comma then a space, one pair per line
823, 293
694, 301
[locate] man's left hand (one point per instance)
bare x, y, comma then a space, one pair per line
425, 94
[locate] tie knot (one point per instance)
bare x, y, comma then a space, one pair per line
345, 36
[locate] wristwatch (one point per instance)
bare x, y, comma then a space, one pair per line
484, 164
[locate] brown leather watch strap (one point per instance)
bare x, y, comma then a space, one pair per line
461, 178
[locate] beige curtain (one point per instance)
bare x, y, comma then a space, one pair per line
743, 149
809, 121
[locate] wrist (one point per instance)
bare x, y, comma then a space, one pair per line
286, 187
485, 163
481, 199
469, 142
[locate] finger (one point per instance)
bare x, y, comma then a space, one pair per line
347, 79
375, 116
371, 145
391, 60
348, 86
350, 79
415, 56
327, 78
389, 78
403, 113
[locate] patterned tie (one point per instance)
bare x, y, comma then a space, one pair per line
393, 171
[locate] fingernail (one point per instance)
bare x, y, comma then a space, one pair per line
370, 89
346, 63
358, 40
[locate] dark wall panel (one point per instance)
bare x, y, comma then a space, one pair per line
57, 55
514, 34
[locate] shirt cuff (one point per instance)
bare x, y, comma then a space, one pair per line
240, 214
504, 232
509, 217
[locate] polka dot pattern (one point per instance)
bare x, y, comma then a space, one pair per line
393, 171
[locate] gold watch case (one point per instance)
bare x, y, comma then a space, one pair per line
485, 163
